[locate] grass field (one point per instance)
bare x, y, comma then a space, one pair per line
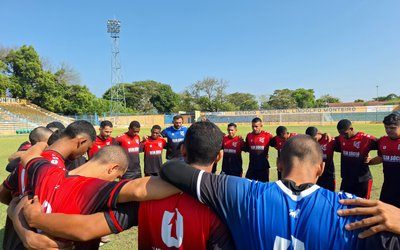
128, 239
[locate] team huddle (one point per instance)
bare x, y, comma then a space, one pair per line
183, 204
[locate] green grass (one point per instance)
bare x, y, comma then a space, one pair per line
128, 239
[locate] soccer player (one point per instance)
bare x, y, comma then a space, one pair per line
257, 144
179, 221
69, 144
232, 146
54, 126
282, 135
90, 188
103, 139
354, 147
130, 141
153, 146
175, 135
389, 155
292, 213
327, 179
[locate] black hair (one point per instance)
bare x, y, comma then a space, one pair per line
55, 136
392, 119
39, 134
255, 120
343, 124
281, 130
156, 127
232, 125
134, 124
106, 123
301, 147
80, 127
312, 131
55, 126
177, 117
203, 141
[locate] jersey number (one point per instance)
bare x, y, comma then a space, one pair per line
283, 244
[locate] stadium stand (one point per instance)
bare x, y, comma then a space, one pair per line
21, 117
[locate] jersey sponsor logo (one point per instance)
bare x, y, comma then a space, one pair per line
391, 158
46, 207
294, 213
257, 147
177, 140
171, 221
351, 153
229, 151
133, 150
262, 139
155, 152
357, 144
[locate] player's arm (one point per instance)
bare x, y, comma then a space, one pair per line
146, 188
5, 195
336, 145
33, 152
30, 239
81, 227
15, 155
374, 161
383, 217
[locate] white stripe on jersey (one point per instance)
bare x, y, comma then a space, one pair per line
302, 194
198, 185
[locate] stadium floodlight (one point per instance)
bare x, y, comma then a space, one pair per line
113, 27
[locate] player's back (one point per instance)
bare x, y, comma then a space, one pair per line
282, 220
180, 222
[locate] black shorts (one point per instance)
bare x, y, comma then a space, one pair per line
360, 189
258, 174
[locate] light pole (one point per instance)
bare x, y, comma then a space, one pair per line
117, 93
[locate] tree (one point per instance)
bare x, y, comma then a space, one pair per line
304, 98
264, 99
4, 79
209, 94
148, 96
359, 100
325, 99
242, 101
282, 99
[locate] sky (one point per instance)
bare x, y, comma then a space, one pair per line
342, 48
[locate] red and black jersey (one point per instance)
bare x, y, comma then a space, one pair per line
99, 143
232, 161
278, 143
132, 146
180, 222
353, 153
153, 149
24, 146
389, 150
18, 183
327, 155
258, 146
60, 192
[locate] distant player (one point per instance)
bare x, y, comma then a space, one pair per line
179, 221
175, 135
257, 144
130, 141
389, 155
292, 213
282, 135
232, 145
327, 179
354, 147
153, 146
103, 139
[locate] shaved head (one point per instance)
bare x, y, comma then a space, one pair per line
300, 151
112, 154
39, 134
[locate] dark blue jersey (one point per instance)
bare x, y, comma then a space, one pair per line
174, 140
269, 215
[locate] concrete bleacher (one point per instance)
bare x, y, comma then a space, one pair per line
17, 116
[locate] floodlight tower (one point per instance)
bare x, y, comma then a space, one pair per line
117, 93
